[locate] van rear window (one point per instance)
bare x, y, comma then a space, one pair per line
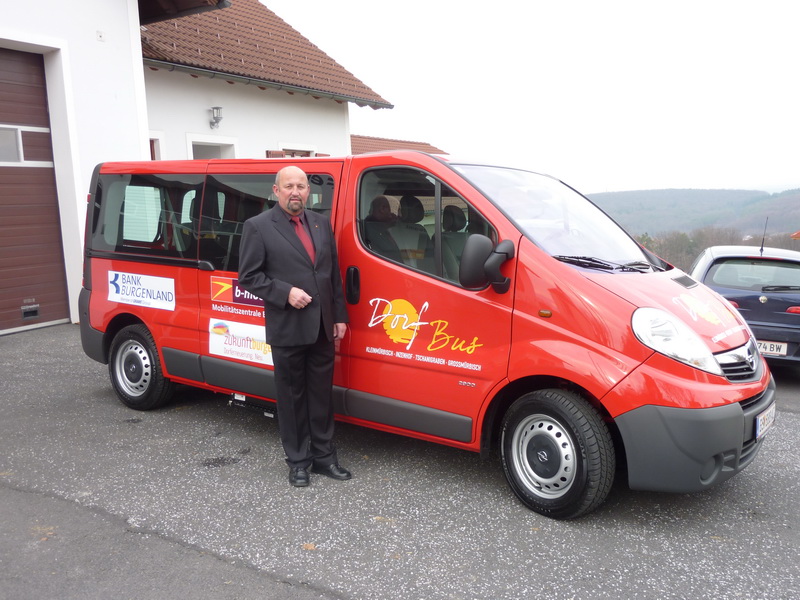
146, 214
187, 216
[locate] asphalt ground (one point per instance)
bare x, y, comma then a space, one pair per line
98, 501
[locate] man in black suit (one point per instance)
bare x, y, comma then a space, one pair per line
288, 257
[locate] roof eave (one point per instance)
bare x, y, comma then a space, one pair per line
163, 12
170, 66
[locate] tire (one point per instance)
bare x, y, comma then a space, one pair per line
135, 369
557, 454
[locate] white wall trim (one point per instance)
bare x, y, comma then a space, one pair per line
161, 138
211, 140
25, 128
139, 90
39, 164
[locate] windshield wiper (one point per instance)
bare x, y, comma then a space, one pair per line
780, 288
590, 262
640, 265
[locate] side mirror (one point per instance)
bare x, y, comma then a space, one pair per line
481, 262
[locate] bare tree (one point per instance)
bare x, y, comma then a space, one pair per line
680, 249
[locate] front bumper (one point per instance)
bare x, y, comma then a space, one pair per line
690, 449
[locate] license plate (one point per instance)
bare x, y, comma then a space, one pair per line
772, 348
764, 421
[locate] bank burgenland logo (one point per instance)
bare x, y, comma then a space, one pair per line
141, 290
115, 283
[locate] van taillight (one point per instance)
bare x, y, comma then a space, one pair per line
734, 303
795, 310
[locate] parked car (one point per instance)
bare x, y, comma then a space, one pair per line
764, 285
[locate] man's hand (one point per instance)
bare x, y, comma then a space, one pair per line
339, 329
298, 298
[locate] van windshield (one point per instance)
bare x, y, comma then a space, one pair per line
558, 219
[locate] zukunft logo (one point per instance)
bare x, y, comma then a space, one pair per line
141, 290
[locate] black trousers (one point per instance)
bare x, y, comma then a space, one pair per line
304, 382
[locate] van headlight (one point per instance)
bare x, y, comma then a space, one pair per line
667, 334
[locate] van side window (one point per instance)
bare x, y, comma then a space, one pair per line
229, 200
409, 217
146, 214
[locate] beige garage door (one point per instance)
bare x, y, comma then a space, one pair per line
33, 287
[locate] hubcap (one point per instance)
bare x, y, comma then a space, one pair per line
133, 368
543, 456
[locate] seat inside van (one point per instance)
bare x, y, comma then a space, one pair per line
453, 235
411, 237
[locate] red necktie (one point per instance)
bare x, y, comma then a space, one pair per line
304, 237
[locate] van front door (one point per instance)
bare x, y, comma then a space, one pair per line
424, 352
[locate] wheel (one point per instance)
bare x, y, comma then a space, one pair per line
135, 369
557, 453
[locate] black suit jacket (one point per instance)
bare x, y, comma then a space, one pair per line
272, 260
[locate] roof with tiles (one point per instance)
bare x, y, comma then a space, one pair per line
250, 43
361, 144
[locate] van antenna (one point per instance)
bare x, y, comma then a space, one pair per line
764, 236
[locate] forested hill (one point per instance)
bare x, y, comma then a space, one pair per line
659, 211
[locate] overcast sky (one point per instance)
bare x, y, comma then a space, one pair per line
605, 95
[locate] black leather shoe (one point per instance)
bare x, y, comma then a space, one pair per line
333, 471
298, 476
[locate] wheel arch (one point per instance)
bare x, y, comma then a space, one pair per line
502, 401
117, 324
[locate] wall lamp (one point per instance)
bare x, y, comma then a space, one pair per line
216, 116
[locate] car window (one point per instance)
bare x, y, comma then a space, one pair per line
231, 199
146, 214
409, 217
754, 274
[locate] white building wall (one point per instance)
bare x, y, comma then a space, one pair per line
254, 120
99, 111
95, 86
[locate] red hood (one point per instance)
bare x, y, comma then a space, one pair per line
702, 309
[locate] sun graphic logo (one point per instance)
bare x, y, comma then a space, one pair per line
697, 308
401, 318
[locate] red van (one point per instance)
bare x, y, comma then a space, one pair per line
493, 308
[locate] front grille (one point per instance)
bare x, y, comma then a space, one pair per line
748, 451
748, 403
741, 364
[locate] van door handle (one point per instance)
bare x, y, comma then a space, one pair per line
353, 285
